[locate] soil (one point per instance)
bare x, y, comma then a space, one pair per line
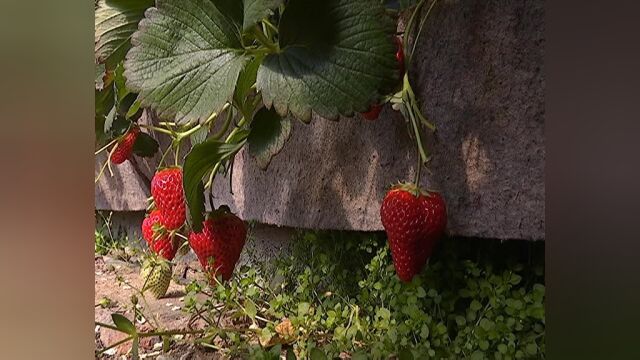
168, 311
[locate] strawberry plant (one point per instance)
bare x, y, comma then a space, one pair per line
229, 74
223, 75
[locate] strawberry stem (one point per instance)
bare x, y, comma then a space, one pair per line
262, 39
106, 146
158, 129
177, 153
415, 41
164, 155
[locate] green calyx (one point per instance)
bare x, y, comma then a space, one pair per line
411, 188
221, 211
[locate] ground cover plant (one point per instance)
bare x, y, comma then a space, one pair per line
336, 295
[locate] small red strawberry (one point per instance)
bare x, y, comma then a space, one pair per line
373, 112
157, 238
219, 243
124, 147
414, 221
166, 189
400, 55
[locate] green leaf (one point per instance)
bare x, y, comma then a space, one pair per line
269, 132
515, 279
108, 120
246, 79
317, 354
256, 10
104, 100
292, 356
123, 324
200, 160
185, 59
484, 345
359, 356
134, 111
199, 136
100, 74
119, 82
303, 308
119, 127
424, 331
486, 324
115, 22
276, 351
405, 354
265, 336
337, 57
145, 145
250, 309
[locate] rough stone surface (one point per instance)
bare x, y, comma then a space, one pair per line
478, 73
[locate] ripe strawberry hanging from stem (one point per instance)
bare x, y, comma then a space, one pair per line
124, 146
166, 189
373, 112
157, 237
414, 221
219, 244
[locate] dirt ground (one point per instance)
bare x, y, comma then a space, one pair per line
167, 311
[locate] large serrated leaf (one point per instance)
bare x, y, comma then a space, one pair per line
115, 22
199, 162
269, 132
185, 59
337, 57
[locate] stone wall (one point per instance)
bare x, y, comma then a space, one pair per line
478, 72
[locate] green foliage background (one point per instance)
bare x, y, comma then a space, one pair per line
476, 299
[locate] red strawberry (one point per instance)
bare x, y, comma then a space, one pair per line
414, 224
400, 54
166, 189
220, 242
157, 238
373, 112
124, 147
